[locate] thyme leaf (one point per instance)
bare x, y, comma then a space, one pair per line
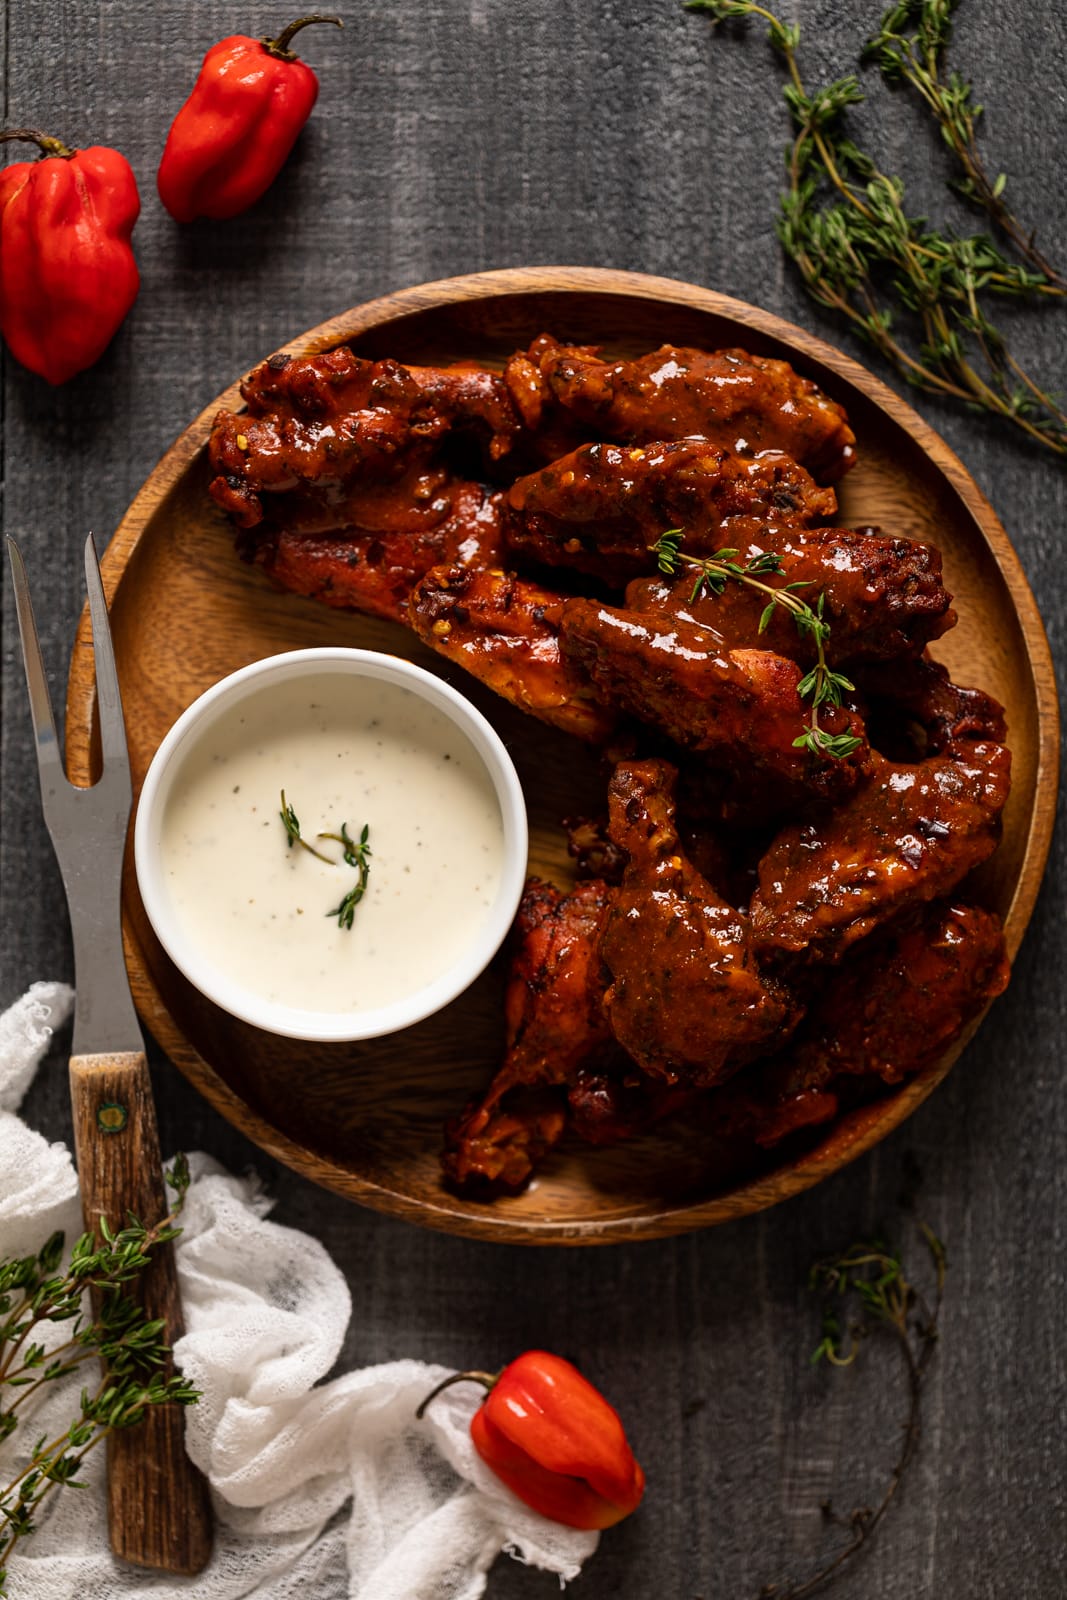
918, 295
352, 853
821, 685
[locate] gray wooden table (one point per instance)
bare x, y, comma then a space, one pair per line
456, 135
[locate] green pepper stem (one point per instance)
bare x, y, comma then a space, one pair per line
280, 46
48, 145
486, 1379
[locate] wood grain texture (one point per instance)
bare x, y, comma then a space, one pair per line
185, 611
452, 136
159, 1511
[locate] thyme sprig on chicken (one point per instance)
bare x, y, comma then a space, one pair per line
35, 1291
919, 296
868, 1292
821, 685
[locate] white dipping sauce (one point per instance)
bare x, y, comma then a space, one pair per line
344, 752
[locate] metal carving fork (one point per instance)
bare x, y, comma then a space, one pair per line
158, 1507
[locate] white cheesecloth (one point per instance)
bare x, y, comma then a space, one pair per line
328, 1490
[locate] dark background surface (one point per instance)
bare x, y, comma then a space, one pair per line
458, 135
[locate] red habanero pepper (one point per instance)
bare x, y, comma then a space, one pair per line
67, 270
230, 139
554, 1440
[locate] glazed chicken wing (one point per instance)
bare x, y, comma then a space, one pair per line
555, 1025
908, 835
686, 998
738, 708
321, 428
431, 399
392, 541
883, 598
917, 703
736, 401
601, 508
895, 1005
504, 630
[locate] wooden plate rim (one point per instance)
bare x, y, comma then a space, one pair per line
852, 1135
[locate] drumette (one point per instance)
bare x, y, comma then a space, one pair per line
686, 999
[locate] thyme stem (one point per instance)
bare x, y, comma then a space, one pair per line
874, 1275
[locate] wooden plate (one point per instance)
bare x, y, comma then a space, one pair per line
365, 1120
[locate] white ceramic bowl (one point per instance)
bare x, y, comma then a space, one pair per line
243, 689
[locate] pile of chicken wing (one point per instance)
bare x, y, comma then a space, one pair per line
762, 933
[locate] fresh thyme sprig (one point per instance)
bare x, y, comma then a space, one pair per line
820, 685
909, 48
352, 853
291, 824
33, 1291
867, 1291
356, 855
917, 295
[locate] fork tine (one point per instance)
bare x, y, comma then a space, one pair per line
108, 699
49, 762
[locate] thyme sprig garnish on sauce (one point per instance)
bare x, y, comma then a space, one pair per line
919, 296
35, 1290
291, 824
867, 1292
821, 686
354, 854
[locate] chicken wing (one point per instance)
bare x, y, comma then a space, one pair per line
432, 399
374, 563
883, 597
601, 508
555, 1025
738, 708
319, 427
686, 999
909, 834
895, 1006
920, 710
504, 630
734, 400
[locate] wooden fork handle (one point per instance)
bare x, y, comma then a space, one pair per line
159, 1510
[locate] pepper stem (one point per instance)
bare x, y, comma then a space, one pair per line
48, 145
486, 1379
280, 46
